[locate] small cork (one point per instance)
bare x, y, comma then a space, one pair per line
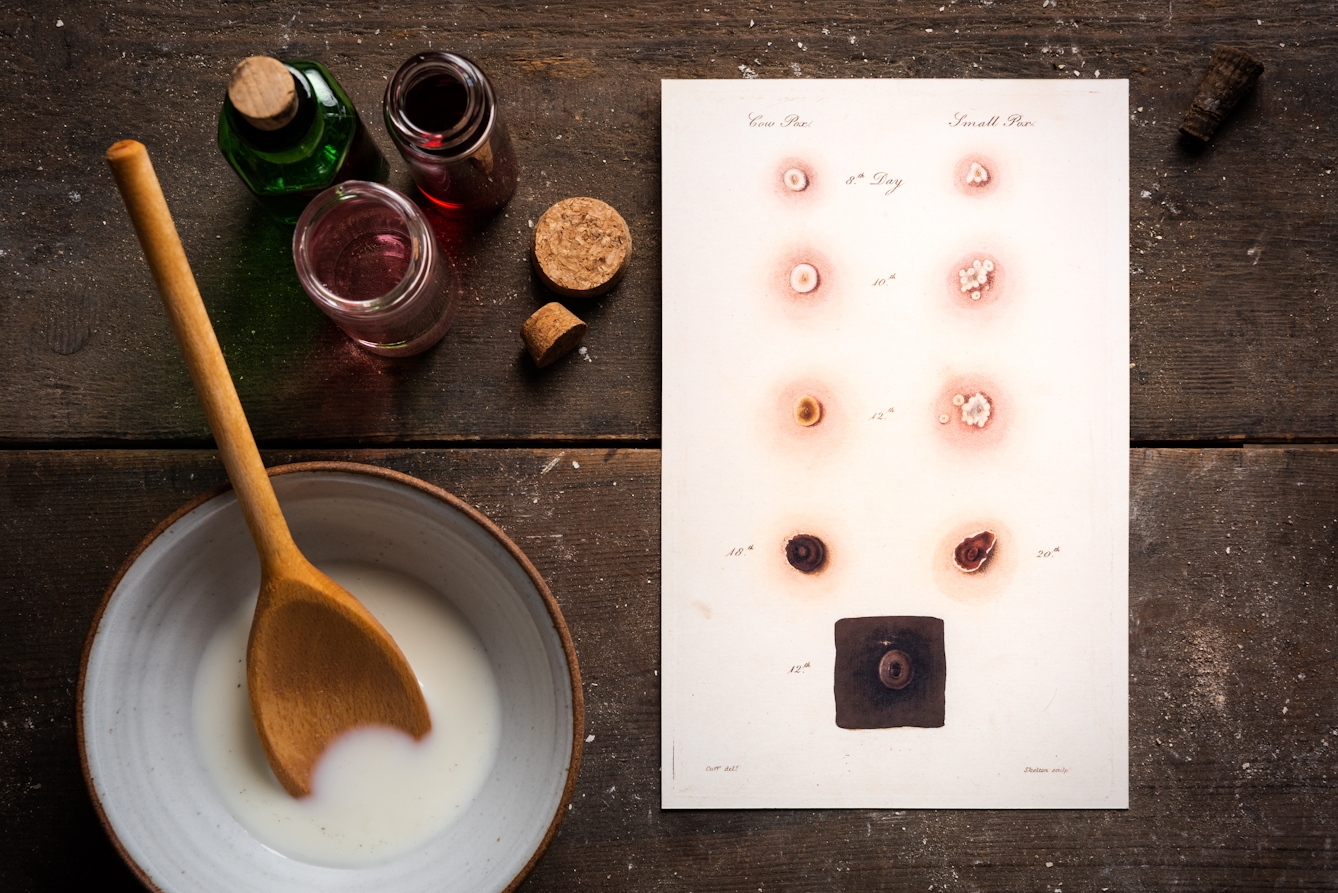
581, 247
262, 91
1231, 74
551, 333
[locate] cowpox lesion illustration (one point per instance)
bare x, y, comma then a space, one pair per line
890, 672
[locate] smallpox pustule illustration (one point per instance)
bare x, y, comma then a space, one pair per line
971, 412
973, 557
978, 279
974, 552
976, 174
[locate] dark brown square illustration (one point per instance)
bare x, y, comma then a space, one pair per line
890, 671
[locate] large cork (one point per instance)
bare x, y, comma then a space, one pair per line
551, 333
262, 91
581, 247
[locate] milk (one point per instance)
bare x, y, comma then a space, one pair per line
376, 792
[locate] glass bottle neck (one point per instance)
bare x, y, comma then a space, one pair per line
440, 104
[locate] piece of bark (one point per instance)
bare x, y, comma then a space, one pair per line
551, 332
581, 247
1231, 74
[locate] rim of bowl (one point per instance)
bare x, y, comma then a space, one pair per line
550, 603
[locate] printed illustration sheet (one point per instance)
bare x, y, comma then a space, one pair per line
895, 492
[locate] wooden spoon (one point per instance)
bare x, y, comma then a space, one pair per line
317, 662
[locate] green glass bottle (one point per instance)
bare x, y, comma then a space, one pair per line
289, 131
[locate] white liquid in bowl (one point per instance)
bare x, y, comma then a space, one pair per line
376, 792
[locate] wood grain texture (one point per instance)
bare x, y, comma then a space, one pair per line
1233, 740
1232, 318
1232, 304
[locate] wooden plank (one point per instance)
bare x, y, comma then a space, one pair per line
1233, 681
1232, 307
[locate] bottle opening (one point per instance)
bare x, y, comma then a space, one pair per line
361, 250
361, 247
439, 103
436, 103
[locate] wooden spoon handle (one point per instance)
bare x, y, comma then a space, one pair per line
144, 200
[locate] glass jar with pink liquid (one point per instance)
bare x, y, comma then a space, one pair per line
366, 256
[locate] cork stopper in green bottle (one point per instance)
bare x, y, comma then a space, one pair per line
262, 91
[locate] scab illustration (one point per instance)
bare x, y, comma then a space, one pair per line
976, 175
890, 672
973, 558
803, 547
805, 419
806, 553
896, 670
976, 280
974, 552
808, 411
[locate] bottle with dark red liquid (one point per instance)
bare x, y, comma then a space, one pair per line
442, 115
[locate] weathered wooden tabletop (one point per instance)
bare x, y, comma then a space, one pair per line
1234, 490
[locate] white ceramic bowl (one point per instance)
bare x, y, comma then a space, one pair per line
192, 573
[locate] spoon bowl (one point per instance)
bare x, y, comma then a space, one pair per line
317, 665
